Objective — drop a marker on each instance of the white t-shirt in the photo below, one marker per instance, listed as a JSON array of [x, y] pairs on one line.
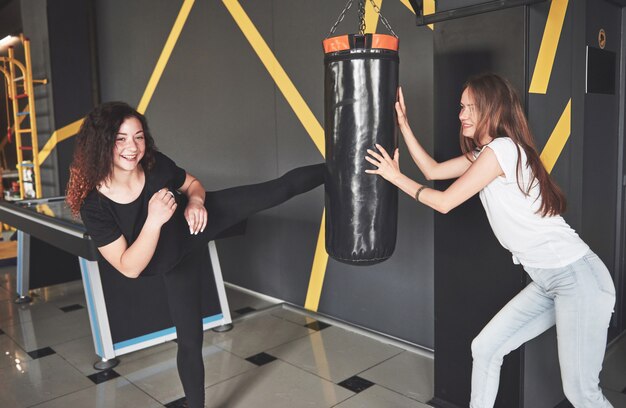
[[534, 241]]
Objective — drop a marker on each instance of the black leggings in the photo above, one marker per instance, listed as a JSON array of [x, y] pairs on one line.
[[183, 283]]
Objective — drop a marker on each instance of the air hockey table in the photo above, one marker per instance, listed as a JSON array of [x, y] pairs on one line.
[[125, 314]]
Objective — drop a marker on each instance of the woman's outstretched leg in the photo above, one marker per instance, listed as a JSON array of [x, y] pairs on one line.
[[233, 205]]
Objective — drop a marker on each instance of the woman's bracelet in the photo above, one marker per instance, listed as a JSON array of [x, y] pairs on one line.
[[417, 194]]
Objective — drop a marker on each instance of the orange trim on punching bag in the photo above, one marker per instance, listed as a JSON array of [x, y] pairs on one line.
[[342, 43], [335, 44], [387, 42]]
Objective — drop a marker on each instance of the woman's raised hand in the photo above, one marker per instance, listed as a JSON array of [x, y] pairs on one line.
[[161, 207], [401, 110], [386, 166]]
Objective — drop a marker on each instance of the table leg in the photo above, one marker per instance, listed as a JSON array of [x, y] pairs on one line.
[[23, 267]]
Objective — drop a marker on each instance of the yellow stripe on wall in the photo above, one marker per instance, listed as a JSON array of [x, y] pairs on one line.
[[429, 8], [58, 136], [309, 122], [371, 16], [318, 270], [553, 148], [165, 55], [72, 129], [548, 47], [289, 91]]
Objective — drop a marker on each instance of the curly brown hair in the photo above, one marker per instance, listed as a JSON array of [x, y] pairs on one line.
[[93, 152]]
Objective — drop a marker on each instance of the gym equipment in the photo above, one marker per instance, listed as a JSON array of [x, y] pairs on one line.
[[360, 90]]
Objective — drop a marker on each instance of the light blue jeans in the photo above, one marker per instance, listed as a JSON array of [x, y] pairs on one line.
[[578, 298]]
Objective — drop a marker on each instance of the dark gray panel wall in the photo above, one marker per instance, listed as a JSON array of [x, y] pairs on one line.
[[217, 112], [69, 40], [474, 275], [601, 140]]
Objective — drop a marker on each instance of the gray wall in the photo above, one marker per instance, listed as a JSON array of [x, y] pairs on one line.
[[217, 112]]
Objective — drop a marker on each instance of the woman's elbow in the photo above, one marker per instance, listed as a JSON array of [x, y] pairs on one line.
[[444, 207], [130, 273]]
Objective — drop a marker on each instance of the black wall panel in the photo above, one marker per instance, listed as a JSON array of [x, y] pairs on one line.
[[71, 71], [474, 275]]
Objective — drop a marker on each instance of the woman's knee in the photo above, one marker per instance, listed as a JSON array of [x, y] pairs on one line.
[[485, 350], [190, 341], [580, 400], [584, 395]]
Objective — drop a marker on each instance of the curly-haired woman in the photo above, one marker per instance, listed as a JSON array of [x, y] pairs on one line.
[[571, 286], [127, 195]]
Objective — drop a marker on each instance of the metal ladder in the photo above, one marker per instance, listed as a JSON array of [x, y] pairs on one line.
[[21, 94]]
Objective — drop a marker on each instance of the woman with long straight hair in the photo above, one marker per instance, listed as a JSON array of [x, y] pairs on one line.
[[570, 287], [150, 217]]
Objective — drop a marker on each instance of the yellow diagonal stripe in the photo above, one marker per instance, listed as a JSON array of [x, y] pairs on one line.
[[318, 270], [165, 55], [289, 91], [558, 138], [58, 136], [429, 8], [371, 16], [548, 47], [308, 120], [72, 129]]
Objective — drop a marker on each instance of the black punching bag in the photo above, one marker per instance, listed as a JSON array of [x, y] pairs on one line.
[[360, 89]]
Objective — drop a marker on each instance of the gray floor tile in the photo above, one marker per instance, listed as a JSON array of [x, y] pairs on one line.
[[407, 373], [80, 353], [258, 334], [334, 353], [49, 332], [379, 397], [116, 393], [38, 381], [12, 354], [294, 317], [276, 385], [12, 313], [238, 300], [157, 374]]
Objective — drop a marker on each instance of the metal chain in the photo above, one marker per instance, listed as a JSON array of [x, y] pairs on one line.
[[383, 19], [340, 19], [361, 17]]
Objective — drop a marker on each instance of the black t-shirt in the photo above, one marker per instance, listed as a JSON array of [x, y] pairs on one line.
[[107, 220]]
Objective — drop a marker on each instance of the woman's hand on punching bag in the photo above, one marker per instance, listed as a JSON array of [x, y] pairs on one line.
[[386, 166], [161, 207], [403, 122]]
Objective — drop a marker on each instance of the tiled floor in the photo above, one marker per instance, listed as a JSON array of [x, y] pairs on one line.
[[275, 356]]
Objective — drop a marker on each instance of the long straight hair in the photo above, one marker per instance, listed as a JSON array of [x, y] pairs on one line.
[[500, 114]]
